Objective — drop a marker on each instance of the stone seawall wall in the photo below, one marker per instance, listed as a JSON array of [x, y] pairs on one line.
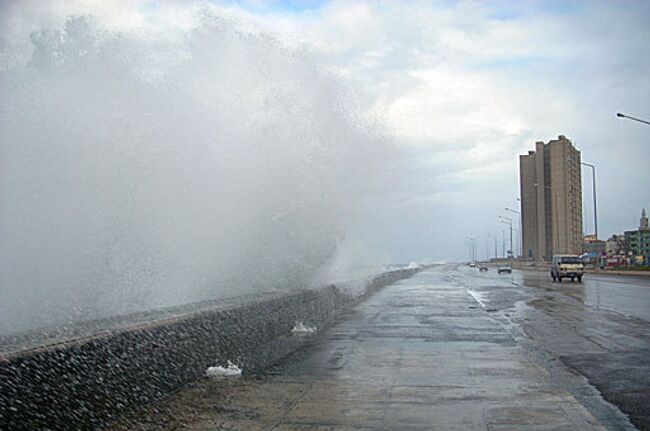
[[86, 383]]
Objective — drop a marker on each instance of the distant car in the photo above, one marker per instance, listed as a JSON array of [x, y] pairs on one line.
[[567, 266], [505, 268], [472, 265], [483, 269]]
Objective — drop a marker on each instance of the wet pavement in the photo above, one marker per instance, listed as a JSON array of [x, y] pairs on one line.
[[449, 349], [624, 294]]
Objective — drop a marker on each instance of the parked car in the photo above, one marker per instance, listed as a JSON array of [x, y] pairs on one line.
[[505, 268], [567, 266], [483, 268]]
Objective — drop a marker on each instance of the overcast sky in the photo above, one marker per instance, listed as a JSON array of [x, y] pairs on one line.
[[468, 86], [464, 87]]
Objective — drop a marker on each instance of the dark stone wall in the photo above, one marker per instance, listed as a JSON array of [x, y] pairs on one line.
[[86, 383]]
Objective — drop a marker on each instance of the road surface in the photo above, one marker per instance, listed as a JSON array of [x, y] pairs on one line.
[[449, 349], [623, 294]]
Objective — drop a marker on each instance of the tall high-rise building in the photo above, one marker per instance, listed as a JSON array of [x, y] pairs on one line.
[[551, 200]]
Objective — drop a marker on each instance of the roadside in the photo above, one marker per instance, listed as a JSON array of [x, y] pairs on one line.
[[599, 329], [524, 266], [636, 272], [421, 354]]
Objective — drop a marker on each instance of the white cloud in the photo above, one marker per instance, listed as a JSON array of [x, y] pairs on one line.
[[465, 87], [468, 92]]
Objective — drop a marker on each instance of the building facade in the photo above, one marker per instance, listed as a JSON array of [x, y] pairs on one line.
[[615, 245], [638, 241], [551, 200], [593, 246]]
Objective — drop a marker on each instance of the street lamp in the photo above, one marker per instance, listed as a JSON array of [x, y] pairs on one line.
[[632, 118], [593, 185], [508, 221], [473, 242], [496, 255], [521, 231], [487, 249], [510, 227], [593, 177]]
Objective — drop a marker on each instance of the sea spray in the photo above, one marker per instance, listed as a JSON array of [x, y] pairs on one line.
[[231, 370], [300, 328], [145, 169]]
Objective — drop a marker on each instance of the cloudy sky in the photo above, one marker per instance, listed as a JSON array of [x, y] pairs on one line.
[[463, 87], [467, 86]]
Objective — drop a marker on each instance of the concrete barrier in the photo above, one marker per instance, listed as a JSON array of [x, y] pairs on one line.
[[84, 384]]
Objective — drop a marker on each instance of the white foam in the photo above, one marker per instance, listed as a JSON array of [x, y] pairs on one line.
[[231, 370], [301, 329]]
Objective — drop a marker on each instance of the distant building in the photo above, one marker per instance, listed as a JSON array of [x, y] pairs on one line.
[[551, 200], [593, 246], [593, 250], [616, 245], [638, 241]]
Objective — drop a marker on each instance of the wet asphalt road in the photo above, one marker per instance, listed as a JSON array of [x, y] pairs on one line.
[[599, 328], [449, 349], [629, 295]]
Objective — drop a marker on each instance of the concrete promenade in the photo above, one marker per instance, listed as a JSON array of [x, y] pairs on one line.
[[427, 353]]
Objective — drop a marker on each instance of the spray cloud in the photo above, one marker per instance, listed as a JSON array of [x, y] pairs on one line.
[[145, 169]]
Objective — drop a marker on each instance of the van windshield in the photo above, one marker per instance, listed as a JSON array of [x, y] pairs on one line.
[[571, 259]]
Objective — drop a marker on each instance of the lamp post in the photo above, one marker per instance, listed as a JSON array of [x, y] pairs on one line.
[[593, 177], [487, 250], [619, 115], [473, 243], [521, 231], [508, 221], [496, 255], [593, 188]]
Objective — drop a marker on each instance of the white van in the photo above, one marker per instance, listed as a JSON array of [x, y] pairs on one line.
[[567, 266]]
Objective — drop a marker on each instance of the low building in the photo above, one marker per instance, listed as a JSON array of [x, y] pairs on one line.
[[593, 250], [593, 245], [615, 245], [638, 241]]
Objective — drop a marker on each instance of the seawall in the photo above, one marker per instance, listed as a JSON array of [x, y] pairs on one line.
[[85, 383]]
